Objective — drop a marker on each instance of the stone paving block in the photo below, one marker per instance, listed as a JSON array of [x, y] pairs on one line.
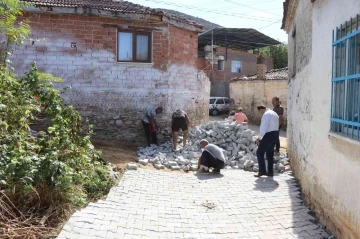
[[158, 204], [131, 166], [175, 167], [159, 166], [144, 161]]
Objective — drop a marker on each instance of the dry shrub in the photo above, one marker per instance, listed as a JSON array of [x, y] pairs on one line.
[[35, 214]]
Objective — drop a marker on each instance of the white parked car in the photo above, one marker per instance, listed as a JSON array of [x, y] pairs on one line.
[[218, 105]]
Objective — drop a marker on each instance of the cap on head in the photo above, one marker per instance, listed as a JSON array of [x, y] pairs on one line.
[[203, 143], [239, 109], [261, 107]]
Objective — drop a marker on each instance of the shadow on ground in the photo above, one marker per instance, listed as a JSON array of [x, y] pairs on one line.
[[208, 176]]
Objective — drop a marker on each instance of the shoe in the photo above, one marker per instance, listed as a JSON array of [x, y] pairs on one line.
[[203, 171], [270, 174], [259, 175], [216, 170]]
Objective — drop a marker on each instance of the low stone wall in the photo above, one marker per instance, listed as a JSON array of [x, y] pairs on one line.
[[250, 93], [118, 113]]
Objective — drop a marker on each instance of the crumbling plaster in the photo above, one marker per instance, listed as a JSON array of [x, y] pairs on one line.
[[250, 93], [327, 167]]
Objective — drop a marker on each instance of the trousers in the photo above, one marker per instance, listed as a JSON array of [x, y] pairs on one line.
[[266, 145]]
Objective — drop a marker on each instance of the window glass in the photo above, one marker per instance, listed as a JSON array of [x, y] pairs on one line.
[[221, 65], [142, 47], [220, 102], [235, 66], [125, 46]]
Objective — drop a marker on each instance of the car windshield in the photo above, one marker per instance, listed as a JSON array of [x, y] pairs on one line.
[[212, 101]]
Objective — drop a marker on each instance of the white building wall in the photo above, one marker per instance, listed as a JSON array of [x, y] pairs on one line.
[[328, 167]]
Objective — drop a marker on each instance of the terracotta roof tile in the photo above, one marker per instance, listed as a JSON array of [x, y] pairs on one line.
[[111, 5]]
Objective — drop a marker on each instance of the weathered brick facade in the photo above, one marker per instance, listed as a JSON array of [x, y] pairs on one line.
[[220, 78], [113, 95], [247, 59]]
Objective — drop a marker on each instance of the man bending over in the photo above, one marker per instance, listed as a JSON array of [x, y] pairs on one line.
[[211, 157]]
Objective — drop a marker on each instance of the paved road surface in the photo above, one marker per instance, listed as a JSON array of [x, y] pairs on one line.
[[156, 204]]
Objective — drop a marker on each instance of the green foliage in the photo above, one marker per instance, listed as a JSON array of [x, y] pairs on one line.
[[279, 53], [14, 32], [62, 159]]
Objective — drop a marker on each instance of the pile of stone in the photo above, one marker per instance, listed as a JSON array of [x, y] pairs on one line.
[[237, 141]]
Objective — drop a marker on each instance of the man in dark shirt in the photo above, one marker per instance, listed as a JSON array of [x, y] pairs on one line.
[[280, 111], [180, 120], [150, 124]]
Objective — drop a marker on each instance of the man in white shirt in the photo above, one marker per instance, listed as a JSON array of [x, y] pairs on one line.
[[211, 157], [269, 134]]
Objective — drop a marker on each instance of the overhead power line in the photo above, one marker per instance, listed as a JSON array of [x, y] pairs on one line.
[[248, 6], [215, 11], [268, 25]]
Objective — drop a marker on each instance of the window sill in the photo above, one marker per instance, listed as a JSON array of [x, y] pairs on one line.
[[343, 138], [142, 64]]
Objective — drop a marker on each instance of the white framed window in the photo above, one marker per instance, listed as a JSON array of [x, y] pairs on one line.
[[236, 66], [221, 65], [133, 46]]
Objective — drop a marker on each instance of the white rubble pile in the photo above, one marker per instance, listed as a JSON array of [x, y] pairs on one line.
[[237, 141]]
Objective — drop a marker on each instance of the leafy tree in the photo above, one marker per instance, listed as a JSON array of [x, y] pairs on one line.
[[278, 52], [11, 32]]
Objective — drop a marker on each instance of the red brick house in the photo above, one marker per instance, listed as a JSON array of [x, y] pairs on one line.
[[231, 57], [118, 58], [237, 64]]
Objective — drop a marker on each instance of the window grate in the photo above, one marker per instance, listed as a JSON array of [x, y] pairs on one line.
[[345, 93]]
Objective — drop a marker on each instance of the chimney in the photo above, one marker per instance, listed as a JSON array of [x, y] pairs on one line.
[[261, 67]]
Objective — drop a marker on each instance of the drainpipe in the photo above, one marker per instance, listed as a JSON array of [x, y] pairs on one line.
[[212, 44], [212, 50], [226, 46]]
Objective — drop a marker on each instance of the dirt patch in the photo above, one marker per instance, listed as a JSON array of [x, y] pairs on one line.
[[119, 154], [283, 145]]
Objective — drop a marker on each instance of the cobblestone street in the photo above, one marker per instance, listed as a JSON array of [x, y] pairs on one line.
[[155, 204]]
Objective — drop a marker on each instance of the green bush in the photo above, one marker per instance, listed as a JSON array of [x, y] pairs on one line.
[[61, 159]]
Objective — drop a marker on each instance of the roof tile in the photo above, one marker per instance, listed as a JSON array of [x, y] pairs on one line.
[[111, 5]]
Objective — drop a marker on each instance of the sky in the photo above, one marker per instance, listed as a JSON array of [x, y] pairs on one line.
[[262, 15]]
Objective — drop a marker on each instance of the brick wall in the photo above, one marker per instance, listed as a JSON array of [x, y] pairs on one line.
[[113, 95], [247, 59]]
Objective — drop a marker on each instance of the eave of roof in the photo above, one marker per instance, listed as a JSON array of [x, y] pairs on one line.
[[289, 14], [116, 7], [236, 38], [285, 7]]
